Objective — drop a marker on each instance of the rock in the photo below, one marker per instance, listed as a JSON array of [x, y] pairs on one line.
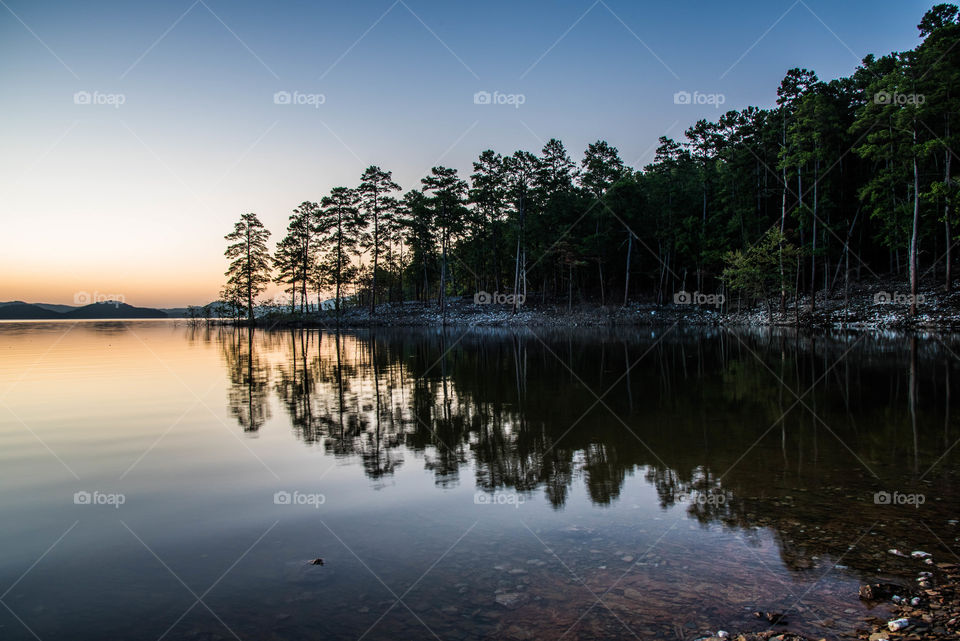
[[898, 624], [630, 593], [878, 591], [777, 618], [519, 633], [509, 599]]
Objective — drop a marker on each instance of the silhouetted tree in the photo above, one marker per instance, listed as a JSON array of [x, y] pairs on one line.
[[249, 259]]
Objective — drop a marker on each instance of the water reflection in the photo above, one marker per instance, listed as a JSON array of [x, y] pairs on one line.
[[752, 431], [536, 411], [249, 381], [689, 477]]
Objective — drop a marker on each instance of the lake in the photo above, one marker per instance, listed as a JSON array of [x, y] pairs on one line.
[[161, 480]]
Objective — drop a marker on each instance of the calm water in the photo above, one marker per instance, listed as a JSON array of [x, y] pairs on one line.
[[166, 481]]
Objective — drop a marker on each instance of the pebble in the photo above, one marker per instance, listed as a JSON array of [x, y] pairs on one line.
[[898, 624]]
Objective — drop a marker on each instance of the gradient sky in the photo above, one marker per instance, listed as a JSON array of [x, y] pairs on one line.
[[134, 200]]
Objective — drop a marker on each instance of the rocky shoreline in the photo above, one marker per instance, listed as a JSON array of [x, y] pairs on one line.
[[866, 307], [929, 611]]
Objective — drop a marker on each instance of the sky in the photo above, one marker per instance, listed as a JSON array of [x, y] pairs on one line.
[[134, 134]]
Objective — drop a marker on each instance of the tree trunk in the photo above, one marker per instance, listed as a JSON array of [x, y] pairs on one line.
[[306, 270], [813, 249], [443, 274], [626, 286], [946, 215], [376, 254], [603, 299], [916, 225], [339, 274], [249, 281], [516, 265], [783, 225]]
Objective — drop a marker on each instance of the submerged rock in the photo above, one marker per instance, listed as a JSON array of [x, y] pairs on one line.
[[777, 618], [509, 599], [879, 591]]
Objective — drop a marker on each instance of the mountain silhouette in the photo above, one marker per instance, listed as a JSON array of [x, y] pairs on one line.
[[19, 310], [113, 309]]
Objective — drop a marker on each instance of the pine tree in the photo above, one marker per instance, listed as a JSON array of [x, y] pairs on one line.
[[446, 194], [377, 206], [338, 217], [249, 270]]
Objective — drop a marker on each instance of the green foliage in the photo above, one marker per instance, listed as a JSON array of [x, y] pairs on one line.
[[756, 270]]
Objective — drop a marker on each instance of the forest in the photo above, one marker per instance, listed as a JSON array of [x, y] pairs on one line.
[[841, 181]]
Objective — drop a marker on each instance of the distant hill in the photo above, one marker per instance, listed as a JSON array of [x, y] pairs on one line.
[[56, 308], [112, 310], [19, 310]]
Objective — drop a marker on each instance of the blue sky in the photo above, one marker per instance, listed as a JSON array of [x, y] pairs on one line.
[[134, 198]]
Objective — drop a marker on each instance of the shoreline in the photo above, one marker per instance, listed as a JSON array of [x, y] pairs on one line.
[[928, 612], [881, 306], [860, 311]]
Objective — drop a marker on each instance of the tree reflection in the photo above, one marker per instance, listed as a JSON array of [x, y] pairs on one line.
[[710, 421], [531, 412], [247, 396]]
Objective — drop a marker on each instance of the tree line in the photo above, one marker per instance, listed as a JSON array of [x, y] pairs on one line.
[[841, 180]]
